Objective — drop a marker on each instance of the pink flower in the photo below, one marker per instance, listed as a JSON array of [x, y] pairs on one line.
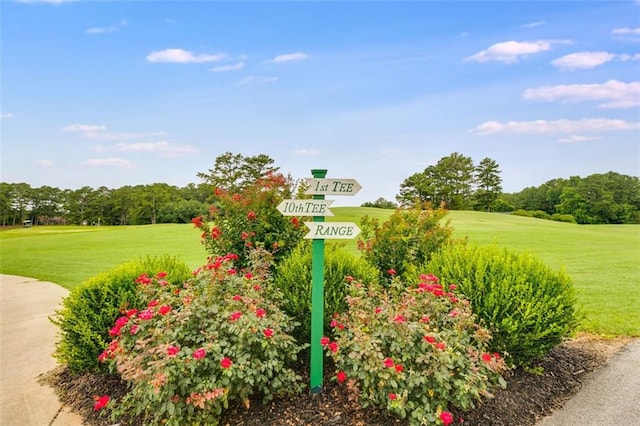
[[120, 322], [341, 376], [248, 275], [257, 287], [251, 215], [333, 347], [446, 417], [101, 402], [164, 309], [232, 271], [453, 313], [441, 345], [325, 341], [349, 278], [103, 356], [244, 235], [424, 318], [267, 332], [388, 362], [399, 319], [147, 314], [260, 313], [199, 353], [393, 396], [114, 331], [391, 271], [237, 297], [173, 351], [378, 310], [235, 315], [134, 329], [131, 312], [453, 287], [225, 362], [153, 303]]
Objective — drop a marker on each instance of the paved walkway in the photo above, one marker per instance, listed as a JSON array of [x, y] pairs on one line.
[[27, 340], [610, 395]]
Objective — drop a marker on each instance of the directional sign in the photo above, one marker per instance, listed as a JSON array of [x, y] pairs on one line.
[[332, 186], [305, 207], [332, 230]]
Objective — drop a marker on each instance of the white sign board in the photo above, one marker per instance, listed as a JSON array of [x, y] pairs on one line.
[[332, 186], [332, 230], [305, 207]]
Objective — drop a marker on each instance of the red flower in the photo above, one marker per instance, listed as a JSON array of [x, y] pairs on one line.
[[441, 345], [153, 303], [161, 274], [251, 215], [391, 271], [199, 353], [424, 318], [232, 271], [388, 363], [225, 362], [333, 347], [295, 221], [496, 355], [101, 402], [164, 309], [446, 417], [393, 396], [486, 357], [399, 318], [235, 315], [453, 287], [378, 310], [349, 278], [341, 376], [260, 313], [325, 341], [134, 329], [248, 276], [237, 297], [453, 313], [244, 235], [143, 279], [216, 233], [131, 312], [173, 351], [104, 355], [399, 368], [267, 332], [197, 221], [429, 339], [115, 331], [147, 314]]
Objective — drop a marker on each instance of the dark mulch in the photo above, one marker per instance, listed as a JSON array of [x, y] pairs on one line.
[[529, 396]]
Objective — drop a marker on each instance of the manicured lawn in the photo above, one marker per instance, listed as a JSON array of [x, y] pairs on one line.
[[603, 260]]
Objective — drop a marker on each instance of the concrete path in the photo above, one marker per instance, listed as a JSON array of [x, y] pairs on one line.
[[609, 396], [27, 340]]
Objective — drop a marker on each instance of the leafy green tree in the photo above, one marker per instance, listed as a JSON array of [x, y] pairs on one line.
[[380, 203], [233, 172], [488, 182]]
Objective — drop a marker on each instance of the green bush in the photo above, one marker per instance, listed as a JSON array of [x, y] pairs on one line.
[[538, 214], [188, 354], [293, 278], [529, 307], [405, 240], [567, 218], [416, 351], [88, 311]]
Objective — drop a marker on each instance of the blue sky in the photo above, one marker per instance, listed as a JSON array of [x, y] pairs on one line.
[[121, 93]]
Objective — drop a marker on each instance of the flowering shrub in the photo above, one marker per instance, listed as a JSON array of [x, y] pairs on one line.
[[190, 352], [413, 351], [406, 239], [250, 218]]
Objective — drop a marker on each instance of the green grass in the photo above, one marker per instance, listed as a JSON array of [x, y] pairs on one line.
[[603, 260]]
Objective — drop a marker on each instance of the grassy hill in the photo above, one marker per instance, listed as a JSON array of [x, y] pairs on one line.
[[603, 260]]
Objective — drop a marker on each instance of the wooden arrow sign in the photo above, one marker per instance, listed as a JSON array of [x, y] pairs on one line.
[[305, 207], [332, 230], [332, 186]]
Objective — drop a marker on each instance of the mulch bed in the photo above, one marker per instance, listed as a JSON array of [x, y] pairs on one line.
[[529, 396]]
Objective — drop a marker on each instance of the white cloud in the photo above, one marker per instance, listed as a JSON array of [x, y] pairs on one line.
[[225, 68], [257, 80], [555, 126], [306, 152], [107, 162], [626, 31], [85, 128], [583, 60], [533, 24], [510, 51], [6, 115], [614, 93], [578, 138], [45, 163], [141, 146], [163, 148], [46, 1], [288, 57], [110, 29], [183, 56]]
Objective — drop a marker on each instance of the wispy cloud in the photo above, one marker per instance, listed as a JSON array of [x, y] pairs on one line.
[[289, 57], [163, 148], [107, 162], [614, 93], [47, 1], [45, 163], [586, 60], [183, 56], [85, 128], [306, 152], [533, 24], [257, 80], [6, 115], [626, 34], [579, 138], [555, 126], [95, 131], [510, 51], [227, 68], [109, 29]]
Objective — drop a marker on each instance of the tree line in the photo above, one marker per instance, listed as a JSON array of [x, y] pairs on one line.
[[454, 181]]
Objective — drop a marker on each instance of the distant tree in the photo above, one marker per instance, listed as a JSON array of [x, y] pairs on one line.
[[488, 183], [233, 172], [380, 203]]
